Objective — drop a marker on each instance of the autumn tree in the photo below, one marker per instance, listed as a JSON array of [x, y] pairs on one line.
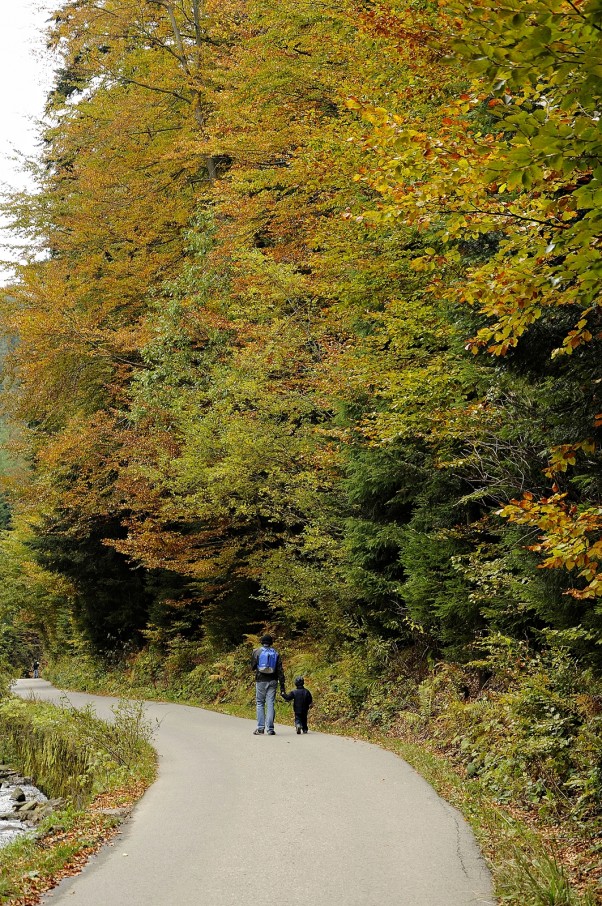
[[503, 174], [276, 239], [123, 168]]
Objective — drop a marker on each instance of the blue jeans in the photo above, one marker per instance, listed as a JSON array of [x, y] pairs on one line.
[[265, 696]]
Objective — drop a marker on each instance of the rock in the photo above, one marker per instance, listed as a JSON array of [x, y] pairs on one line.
[[40, 813], [28, 807]]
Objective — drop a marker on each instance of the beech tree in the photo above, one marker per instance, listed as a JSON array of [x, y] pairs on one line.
[[510, 164], [313, 333]]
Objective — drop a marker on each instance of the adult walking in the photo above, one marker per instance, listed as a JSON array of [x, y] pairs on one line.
[[269, 672]]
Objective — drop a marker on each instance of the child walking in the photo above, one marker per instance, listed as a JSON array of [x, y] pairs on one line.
[[302, 702]]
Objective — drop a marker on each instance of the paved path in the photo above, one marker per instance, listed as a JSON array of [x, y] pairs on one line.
[[312, 820]]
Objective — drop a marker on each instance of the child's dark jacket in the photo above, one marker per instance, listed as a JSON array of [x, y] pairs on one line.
[[301, 699]]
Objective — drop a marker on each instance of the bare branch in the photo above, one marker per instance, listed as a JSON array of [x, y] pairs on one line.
[[181, 54]]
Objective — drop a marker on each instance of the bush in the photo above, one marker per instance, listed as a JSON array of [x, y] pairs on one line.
[[534, 732]]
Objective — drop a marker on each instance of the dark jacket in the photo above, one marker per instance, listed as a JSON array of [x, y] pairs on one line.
[[301, 699], [261, 677]]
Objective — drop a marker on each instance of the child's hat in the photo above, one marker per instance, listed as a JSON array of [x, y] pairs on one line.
[[299, 681]]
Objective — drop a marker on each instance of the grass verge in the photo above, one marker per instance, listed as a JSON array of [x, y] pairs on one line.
[[524, 871], [100, 771]]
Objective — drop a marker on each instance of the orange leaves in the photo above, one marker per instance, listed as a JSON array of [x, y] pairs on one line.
[[471, 164], [565, 455], [571, 539], [425, 172], [576, 337]]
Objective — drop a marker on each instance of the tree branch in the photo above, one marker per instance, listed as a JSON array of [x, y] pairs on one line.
[[583, 16], [196, 6], [181, 55], [127, 81], [549, 223]]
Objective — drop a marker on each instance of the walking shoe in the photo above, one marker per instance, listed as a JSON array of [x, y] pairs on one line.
[[298, 730], [305, 731], [257, 732], [271, 732]]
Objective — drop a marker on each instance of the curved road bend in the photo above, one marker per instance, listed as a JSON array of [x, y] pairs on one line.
[[312, 820]]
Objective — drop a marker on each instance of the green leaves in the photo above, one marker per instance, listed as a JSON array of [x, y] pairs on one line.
[[251, 361]]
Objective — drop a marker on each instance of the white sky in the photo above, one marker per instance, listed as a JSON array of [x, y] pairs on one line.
[[25, 76]]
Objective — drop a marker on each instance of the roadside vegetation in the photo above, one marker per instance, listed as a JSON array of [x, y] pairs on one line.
[[99, 770]]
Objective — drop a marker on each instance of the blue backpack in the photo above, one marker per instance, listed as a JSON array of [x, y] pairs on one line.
[[266, 661]]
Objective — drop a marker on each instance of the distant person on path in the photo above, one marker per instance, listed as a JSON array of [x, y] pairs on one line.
[[36, 669], [267, 664], [302, 701]]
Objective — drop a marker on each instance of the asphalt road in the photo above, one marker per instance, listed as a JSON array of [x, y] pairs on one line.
[[312, 820]]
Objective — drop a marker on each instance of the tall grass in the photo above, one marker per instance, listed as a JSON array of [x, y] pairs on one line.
[[70, 753], [75, 756]]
